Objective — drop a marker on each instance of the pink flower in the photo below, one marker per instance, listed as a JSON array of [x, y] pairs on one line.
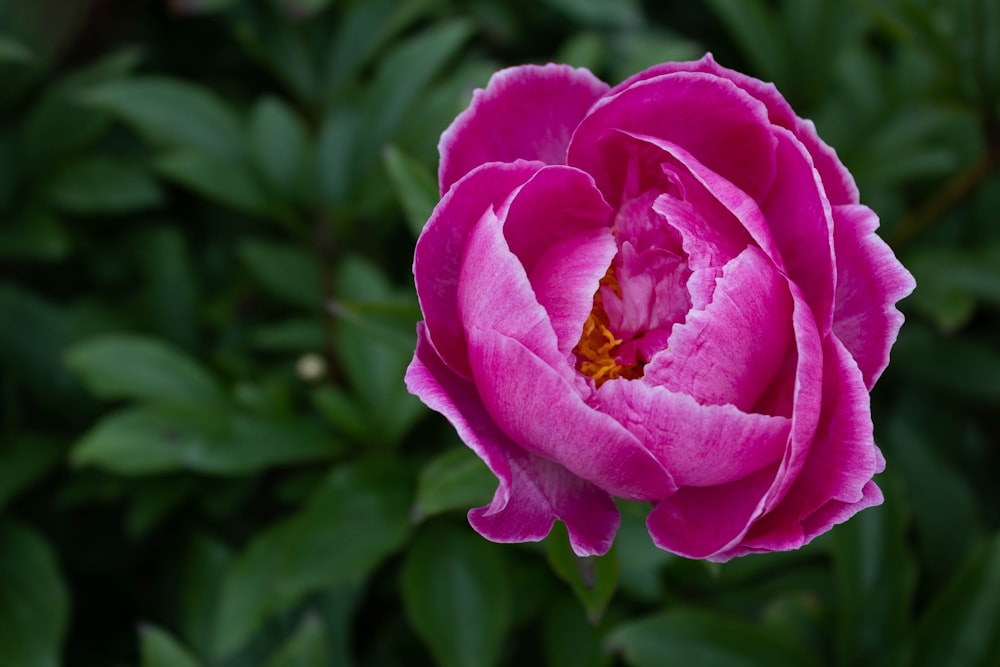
[[666, 292]]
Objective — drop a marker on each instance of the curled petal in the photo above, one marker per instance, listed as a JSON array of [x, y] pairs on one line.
[[701, 445], [730, 351], [870, 280], [527, 112], [540, 410], [437, 258], [837, 181], [532, 492], [801, 224], [835, 480], [710, 117]]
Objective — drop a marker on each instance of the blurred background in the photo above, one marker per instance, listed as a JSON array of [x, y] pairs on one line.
[[207, 454]]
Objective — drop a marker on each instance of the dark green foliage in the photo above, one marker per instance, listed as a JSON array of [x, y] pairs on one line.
[[207, 454]]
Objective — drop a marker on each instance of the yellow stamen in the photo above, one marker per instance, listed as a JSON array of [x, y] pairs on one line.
[[596, 351]]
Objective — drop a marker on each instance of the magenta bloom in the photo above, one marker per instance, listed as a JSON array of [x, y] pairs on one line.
[[666, 292]]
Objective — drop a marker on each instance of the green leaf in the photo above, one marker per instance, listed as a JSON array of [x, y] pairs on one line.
[[33, 337], [415, 187], [962, 626], [279, 143], [144, 368], [172, 293], [13, 51], [34, 601], [160, 649], [297, 335], [593, 579], [375, 351], [174, 114], [24, 459], [158, 439], [203, 564], [285, 271], [457, 596], [101, 184], [620, 14], [570, 639], [455, 479], [696, 638], [876, 577], [958, 366], [404, 72], [226, 182], [34, 234], [356, 518], [755, 28], [305, 648], [341, 411]]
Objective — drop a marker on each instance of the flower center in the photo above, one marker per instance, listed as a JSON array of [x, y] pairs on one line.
[[597, 351]]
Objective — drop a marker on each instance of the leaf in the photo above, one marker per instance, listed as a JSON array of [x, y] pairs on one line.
[[356, 518], [13, 51], [34, 234], [570, 639], [172, 293], [962, 626], [174, 114], [696, 638], [285, 271], [404, 72], [24, 459], [593, 579], [144, 368], [305, 648], [159, 649], [158, 439], [33, 337], [34, 601], [204, 562], [101, 184], [225, 182], [415, 187], [623, 15], [279, 144], [959, 366], [876, 577], [753, 26], [455, 479], [457, 596], [374, 352]]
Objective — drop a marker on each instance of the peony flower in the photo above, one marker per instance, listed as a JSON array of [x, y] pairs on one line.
[[666, 292]]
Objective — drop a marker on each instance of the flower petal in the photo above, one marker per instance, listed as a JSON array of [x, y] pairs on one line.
[[710, 117], [870, 280], [440, 249], [532, 492], [542, 412], [527, 112], [494, 293], [837, 181], [558, 225], [729, 352], [801, 224], [835, 480], [701, 445]]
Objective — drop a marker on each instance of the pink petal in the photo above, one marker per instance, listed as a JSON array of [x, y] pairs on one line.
[[723, 127], [532, 492], [702, 522], [543, 413], [870, 280], [835, 480], [494, 294], [440, 249], [701, 445], [801, 224], [837, 181], [729, 352], [526, 112], [558, 225]]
